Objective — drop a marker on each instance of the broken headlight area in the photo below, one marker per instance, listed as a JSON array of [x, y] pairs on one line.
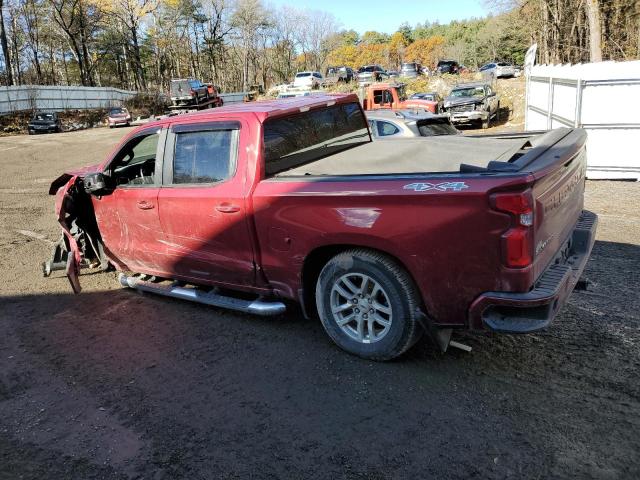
[[80, 245]]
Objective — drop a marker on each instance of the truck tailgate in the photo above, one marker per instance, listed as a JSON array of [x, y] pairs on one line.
[[558, 194]]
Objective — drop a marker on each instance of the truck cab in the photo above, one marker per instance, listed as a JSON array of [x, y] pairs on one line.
[[393, 96]]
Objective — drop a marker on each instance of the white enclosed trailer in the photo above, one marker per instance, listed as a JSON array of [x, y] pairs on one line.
[[604, 99]]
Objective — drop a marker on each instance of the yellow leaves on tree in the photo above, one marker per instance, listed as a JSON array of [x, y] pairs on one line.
[[426, 51], [345, 55], [376, 53]]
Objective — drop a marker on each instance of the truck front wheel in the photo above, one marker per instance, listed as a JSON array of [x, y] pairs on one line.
[[368, 304]]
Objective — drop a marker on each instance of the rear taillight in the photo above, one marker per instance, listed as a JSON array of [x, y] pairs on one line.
[[517, 242]]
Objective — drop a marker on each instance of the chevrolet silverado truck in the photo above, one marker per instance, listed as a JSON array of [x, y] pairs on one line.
[[254, 206], [470, 103]]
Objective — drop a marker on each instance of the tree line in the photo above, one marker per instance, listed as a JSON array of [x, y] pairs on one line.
[[143, 44]]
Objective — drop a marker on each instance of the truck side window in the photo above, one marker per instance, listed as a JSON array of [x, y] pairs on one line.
[[204, 157], [297, 139], [135, 164], [378, 96]]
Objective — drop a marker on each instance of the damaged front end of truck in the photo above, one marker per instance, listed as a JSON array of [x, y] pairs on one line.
[[80, 245]]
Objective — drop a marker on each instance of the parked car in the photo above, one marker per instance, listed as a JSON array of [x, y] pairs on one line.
[[118, 116], [310, 80], [339, 74], [44, 122], [394, 124], [410, 69], [430, 97], [498, 70], [188, 91], [371, 73], [293, 94], [291, 200], [472, 103], [448, 66]]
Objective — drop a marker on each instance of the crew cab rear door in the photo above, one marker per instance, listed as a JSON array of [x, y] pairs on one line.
[[202, 205]]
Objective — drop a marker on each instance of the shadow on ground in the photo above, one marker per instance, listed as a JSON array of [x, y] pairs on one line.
[[119, 385]]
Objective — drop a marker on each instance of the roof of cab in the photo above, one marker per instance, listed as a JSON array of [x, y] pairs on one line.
[[261, 109]]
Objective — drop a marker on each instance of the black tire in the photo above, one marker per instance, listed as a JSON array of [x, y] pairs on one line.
[[404, 302]]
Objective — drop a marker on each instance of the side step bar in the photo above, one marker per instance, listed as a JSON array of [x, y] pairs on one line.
[[256, 307]]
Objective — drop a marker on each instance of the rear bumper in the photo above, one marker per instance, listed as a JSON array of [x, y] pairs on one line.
[[534, 310]]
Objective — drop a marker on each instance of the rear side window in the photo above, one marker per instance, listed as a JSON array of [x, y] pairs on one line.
[[306, 137], [204, 156], [386, 129]]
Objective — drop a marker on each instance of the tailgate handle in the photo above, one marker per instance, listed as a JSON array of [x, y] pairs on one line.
[[227, 208], [144, 205]]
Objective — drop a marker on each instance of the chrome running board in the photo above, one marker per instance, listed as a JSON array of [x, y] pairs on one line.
[[256, 307]]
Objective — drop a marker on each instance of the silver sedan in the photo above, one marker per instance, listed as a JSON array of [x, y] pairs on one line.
[[388, 124]]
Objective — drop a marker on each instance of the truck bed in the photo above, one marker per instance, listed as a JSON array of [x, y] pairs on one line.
[[419, 155]]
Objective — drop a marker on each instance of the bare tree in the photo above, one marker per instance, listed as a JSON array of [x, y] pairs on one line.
[[595, 30], [5, 46]]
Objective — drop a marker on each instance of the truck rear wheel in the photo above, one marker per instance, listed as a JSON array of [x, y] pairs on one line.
[[368, 304]]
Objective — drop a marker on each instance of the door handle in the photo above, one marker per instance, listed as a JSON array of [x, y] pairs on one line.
[[144, 205], [227, 208]]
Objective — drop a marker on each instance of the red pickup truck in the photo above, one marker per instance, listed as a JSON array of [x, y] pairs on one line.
[[251, 205]]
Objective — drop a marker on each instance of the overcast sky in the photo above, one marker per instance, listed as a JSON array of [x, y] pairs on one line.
[[387, 15]]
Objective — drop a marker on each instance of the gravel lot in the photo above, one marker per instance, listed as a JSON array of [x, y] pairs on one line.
[[111, 384]]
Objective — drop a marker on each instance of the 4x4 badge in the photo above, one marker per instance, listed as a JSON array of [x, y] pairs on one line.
[[441, 187]]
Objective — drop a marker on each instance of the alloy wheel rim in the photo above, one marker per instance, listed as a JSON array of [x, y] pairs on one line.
[[361, 307]]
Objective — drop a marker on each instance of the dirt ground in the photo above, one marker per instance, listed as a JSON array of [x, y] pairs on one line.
[[111, 384]]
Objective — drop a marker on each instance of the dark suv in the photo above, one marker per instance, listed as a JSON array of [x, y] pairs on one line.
[[188, 92], [339, 74], [44, 122], [448, 66], [371, 73]]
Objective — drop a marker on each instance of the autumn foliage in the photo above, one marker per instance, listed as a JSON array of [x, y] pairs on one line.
[[389, 54]]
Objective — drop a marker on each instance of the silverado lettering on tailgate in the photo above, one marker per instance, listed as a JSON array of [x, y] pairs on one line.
[[561, 196]]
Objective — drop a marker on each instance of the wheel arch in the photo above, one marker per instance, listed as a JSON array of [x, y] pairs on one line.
[[318, 258]]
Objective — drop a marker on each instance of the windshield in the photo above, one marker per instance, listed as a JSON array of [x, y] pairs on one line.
[[304, 74], [367, 69], [436, 126], [44, 116], [468, 92], [116, 111], [502, 64]]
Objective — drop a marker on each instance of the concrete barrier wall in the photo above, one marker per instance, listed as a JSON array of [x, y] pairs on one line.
[[58, 98]]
